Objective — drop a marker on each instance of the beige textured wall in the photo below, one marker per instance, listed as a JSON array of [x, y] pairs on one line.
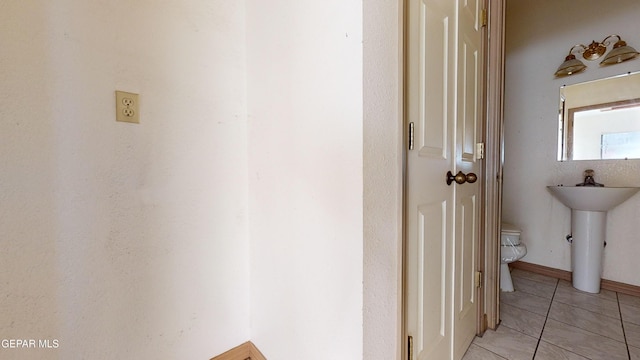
[[382, 179], [123, 241], [132, 241], [305, 177]]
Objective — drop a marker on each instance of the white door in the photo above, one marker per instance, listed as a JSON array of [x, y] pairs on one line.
[[442, 227]]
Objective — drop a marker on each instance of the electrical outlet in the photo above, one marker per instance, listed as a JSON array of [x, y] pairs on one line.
[[127, 107]]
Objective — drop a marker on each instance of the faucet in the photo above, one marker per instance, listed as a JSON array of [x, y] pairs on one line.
[[589, 180]]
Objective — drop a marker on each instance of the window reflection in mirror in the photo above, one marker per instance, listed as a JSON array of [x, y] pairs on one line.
[[600, 119]]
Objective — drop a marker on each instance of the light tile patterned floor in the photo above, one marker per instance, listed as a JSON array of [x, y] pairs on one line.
[[547, 319]]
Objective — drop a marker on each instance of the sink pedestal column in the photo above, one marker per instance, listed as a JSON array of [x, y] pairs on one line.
[[588, 231]]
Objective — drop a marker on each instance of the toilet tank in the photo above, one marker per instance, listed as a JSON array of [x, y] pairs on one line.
[[510, 235]]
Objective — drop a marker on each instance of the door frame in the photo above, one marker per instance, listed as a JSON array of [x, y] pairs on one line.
[[493, 161]]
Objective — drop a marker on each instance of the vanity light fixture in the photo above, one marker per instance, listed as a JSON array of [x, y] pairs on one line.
[[571, 65], [620, 52]]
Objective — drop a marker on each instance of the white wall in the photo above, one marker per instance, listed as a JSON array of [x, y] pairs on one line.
[[132, 241], [304, 65], [539, 35], [123, 241], [322, 105], [382, 179]]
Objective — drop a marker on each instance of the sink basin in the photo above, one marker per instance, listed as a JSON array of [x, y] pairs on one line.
[[590, 198], [589, 206]]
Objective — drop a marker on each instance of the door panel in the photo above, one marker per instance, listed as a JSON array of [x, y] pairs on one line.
[[431, 310], [433, 96], [469, 98], [465, 309]]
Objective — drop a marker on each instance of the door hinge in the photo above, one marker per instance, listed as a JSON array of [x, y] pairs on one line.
[[410, 350], [478, 279], [480, 151], [410, 136], [485, 19]]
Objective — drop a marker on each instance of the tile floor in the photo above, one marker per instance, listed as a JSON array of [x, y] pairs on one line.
[[547, 319]]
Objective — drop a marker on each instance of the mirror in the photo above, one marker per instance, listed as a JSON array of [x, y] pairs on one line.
[[600, 119]]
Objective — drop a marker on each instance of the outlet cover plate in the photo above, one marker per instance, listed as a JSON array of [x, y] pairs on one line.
[[127, 107]]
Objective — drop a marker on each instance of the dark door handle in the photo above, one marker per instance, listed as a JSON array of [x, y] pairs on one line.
[[460, 178]]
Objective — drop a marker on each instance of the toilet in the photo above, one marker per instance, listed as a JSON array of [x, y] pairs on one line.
[[511, 249]]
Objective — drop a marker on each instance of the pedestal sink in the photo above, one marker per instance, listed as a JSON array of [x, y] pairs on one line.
[[589, 206]]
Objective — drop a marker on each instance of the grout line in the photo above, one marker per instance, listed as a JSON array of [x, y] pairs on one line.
[[616, 300], [624, 334], [546, 318], [496, 354], [579, 305], [591, 332]]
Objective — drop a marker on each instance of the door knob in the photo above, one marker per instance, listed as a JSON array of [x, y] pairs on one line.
[[460, 178]]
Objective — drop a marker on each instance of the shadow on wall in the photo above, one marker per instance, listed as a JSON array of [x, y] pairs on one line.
[[540, 32]]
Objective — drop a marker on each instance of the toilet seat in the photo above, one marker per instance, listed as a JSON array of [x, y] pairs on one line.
[[510, 250], [511, 253], [510, 235]]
